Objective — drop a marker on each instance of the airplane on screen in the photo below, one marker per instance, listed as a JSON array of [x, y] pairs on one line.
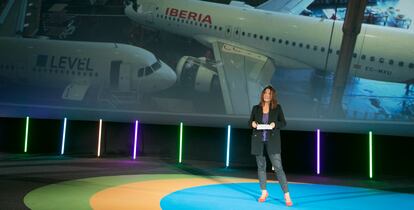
[[249, 42], [76, 66]]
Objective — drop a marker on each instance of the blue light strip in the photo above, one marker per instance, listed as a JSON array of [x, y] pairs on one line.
[[318, 152], [62, 151], [228, 145]]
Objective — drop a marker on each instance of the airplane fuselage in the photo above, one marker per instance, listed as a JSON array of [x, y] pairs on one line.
[[57, 63], [381, 53]]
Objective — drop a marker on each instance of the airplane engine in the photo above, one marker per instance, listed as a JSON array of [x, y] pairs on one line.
[[197, 74]]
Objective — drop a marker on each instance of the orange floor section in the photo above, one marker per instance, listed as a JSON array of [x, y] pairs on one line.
[[148, 194]]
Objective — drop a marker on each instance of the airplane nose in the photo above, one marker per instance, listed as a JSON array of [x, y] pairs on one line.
[[169, 76]]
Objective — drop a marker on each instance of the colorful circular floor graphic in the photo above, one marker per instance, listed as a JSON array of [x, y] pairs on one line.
[[171, 191], [305, 196]]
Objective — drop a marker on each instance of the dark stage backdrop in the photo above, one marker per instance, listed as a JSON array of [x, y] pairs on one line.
[[342, 154]]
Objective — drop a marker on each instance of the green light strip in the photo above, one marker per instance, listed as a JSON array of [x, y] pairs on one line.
[[27, 134], [370, 155], [181, 142]]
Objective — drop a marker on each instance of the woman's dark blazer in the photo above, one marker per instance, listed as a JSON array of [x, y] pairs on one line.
[[273, 144]]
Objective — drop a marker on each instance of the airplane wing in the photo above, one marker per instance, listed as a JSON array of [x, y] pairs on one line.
[[75, 91], [242, 74], [285, 6]]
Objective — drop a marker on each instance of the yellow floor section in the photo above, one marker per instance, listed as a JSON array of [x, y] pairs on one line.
[[148, 194]]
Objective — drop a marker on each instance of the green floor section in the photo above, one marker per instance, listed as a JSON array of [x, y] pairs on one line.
[[75, 194]]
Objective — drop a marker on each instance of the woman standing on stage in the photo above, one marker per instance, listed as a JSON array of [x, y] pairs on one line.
[[268, 112]]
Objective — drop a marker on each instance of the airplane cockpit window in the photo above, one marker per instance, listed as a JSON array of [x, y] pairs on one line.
[[411, 66], [157, 65], [145, 71], [148, 71]]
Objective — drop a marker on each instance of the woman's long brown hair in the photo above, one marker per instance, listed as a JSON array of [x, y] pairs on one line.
[[273, 102]]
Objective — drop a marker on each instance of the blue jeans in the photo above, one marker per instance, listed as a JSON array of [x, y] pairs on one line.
[[276, 160]]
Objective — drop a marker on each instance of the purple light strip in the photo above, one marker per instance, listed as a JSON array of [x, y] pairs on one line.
[[135, 139]]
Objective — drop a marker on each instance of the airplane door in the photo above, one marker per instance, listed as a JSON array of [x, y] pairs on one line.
[[228, 31], [114, 75], [124, 80], [120, 76], [236, 33]]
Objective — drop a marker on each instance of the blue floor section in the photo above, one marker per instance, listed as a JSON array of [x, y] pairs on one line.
[[240, 196]]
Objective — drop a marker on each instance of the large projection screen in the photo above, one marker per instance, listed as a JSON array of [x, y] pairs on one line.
[[205, 64]]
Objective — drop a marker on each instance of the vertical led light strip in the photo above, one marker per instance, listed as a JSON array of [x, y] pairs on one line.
[[181, 143], [370, 154], [228, 145], [99, 137], [318, 152], [135, 140], [26, 137], [62, 151]]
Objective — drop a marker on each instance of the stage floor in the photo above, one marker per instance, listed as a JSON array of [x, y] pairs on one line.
[[46, 182]]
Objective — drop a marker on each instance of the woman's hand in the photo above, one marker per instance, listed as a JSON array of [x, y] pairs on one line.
[[254, 124], [273, 125]]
